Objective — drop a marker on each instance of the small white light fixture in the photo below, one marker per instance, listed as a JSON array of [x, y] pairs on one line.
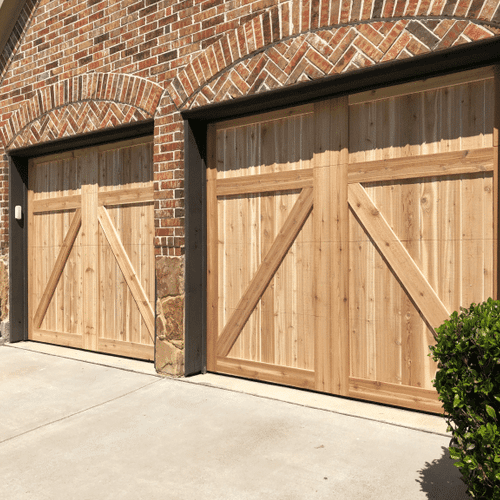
[[18, 212]]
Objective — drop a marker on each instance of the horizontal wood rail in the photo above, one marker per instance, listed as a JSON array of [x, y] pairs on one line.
[[69, 202], [262, 183], [122, 348], [125, 196], [59, 338], [408, 167], [395, 394], [266, 372]]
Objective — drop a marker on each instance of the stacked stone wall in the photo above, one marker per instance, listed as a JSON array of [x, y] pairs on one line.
[[84, 65]]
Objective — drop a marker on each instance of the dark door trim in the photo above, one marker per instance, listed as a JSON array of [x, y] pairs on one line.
[[18, 230]]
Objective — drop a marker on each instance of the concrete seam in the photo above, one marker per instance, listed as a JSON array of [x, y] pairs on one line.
[[417, 429], [187, 381], [86, 361], [77, 412]]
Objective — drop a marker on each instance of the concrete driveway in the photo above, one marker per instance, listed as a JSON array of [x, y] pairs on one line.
[[80, 429]]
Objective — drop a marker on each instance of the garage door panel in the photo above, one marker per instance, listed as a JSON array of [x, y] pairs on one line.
[[266, 146], [280, 329], [125, 168], [446, 225], [120, 318], [88, 293], [252, 227], [119, 315], [56, 244], [401, 233], [447, 119], [440, 222], [388, 337]]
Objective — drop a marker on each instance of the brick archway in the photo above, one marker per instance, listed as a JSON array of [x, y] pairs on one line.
[[85, 103], [278, 49]]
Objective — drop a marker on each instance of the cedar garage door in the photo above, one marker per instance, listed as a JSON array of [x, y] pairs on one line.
[[90, 249], [341, 232]]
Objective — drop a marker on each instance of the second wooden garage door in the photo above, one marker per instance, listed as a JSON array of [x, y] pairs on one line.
[[341, 233], [90, 241]]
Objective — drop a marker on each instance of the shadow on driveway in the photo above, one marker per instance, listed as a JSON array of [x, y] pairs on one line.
[[441, 480]]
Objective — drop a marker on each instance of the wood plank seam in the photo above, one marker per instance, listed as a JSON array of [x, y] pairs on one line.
[[267, 269]]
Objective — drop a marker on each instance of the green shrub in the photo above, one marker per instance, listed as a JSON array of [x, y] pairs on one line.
[[468, 382]]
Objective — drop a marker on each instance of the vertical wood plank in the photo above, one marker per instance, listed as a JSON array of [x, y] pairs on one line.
[[331, 235], [89, 238], [340, 250], [322, 248], [212, 250], [267, 231], [32, 288]]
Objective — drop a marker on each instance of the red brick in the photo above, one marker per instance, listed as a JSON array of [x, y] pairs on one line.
[[475, 32]]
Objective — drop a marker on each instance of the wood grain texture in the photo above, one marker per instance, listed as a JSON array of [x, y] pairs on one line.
[[494, 102], [69, 202], [90, 297], [129, 273], [422, 166], [279, 181], [355, 298], [340, 247], [75, 283], [212, 251], [266, 117], [397, 256], [59, 338], [126, 196], [266, 270], [331, 248], [55, 276], [394, 394], [129, 349], [267, 372], [423, 85]]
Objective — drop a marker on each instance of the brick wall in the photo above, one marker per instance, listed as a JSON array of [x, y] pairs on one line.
[[64, 59]]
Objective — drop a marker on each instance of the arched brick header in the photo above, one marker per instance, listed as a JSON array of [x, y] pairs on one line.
[[280, 48], [85, 103]]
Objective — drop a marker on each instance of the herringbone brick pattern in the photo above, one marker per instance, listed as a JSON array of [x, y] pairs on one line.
[[82, 104], [75, 119], [315, 55]]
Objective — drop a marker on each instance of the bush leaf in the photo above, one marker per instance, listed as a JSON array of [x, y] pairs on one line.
[[491, 411]]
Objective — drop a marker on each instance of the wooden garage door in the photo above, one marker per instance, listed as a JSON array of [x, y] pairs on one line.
[[341, 233], [90, 249]]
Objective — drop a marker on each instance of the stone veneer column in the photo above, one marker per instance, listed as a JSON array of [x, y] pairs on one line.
[[169, 355]]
